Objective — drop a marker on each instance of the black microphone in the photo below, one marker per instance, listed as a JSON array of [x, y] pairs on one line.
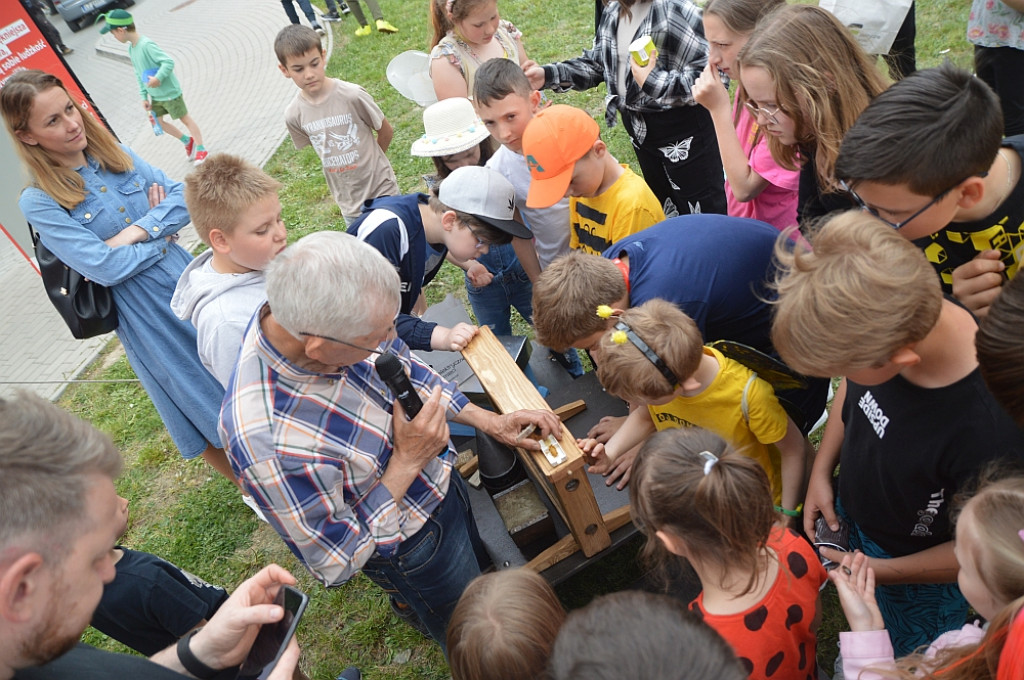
[[390, 370]]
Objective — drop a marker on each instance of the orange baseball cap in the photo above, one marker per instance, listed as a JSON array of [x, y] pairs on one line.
[[554, 140]]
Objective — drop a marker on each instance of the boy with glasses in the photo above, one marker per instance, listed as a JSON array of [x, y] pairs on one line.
[[927, 157]]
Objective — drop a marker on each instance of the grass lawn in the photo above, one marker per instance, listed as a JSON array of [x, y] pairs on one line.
[[192, 517]]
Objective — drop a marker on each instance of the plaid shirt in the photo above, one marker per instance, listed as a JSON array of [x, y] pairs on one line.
[[311, 449], [676, 28]]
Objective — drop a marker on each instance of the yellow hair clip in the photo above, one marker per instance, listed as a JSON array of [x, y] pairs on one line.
[[605, 312], [620, 338]]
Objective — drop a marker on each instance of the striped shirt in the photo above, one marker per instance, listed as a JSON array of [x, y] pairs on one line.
[[311, 448]]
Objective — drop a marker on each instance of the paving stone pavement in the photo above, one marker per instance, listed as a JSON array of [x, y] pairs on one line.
[[224, 58]]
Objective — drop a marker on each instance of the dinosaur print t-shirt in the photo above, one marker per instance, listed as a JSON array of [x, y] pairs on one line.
[[340, 130]]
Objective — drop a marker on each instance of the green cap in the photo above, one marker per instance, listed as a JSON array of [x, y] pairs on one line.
[[115, 19]]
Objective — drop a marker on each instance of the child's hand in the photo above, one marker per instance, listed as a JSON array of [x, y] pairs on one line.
[[855, 581], [146, 105], [606, 427], [452, 339], [640, 73], [478, 275], [709, 91], [534, 73], [592, 450], [153, 82], [977, 283]]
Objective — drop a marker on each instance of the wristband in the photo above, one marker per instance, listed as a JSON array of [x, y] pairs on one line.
[[191, 662], [790, 513]]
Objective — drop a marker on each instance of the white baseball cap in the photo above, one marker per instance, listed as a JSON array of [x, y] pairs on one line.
[[486, 195]]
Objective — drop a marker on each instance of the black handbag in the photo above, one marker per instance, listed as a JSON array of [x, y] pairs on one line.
[[86, 307]]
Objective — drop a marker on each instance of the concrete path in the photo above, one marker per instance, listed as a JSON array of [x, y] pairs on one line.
[[224, 58]]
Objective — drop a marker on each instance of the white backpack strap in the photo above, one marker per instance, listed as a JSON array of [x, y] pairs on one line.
[[378, 217]]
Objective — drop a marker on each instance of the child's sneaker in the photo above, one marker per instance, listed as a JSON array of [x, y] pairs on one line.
[[190, 147], [363, 30], [319, 30], [332, 16], [201, 157], [343, 6], [385, 27]]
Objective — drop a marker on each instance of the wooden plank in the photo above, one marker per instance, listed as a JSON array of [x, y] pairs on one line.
[[567, 484], [571, 409], [567, 545], [469, 467]]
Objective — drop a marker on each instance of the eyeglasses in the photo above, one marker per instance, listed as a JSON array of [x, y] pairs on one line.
[[756, 111], [898, 225], [480, 243], [384, 346]]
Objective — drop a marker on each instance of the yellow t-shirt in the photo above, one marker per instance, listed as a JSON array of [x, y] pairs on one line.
[[719, 409], [626, 207]]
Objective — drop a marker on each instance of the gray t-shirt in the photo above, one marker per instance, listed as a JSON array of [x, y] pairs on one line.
[[340, 129]]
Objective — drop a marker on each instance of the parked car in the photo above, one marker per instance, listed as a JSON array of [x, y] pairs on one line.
[[80, 13]]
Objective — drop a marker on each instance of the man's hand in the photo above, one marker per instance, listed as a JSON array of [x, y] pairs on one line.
[[226, 638], [452, 339], [977, 283], [479, 275], [418, 441], [505, 428], [855, 582], [640, 73]]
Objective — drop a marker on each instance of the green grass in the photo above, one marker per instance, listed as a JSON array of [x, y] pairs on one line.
[[189, 515]]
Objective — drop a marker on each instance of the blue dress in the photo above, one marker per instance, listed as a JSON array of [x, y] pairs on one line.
[[160, 347]]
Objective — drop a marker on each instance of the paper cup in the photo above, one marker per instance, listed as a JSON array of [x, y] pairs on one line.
[[640, 49]]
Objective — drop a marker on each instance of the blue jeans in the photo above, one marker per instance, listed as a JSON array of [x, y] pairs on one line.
[[511, 287], [306, 8], [433, 567]]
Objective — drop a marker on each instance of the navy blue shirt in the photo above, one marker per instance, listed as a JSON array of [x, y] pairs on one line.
[[392, 225]]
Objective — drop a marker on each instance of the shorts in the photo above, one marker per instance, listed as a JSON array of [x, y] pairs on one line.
[[175, 108]]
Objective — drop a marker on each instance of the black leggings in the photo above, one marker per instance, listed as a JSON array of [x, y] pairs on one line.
[[1003, 69], [680, 160]]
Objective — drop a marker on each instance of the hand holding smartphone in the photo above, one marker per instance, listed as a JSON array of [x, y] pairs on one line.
[[273, 638]]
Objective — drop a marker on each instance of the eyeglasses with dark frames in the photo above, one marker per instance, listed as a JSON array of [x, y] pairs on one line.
[[899, 225]]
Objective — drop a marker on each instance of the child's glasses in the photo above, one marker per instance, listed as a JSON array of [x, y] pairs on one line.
[[898, 225], [756, 111]]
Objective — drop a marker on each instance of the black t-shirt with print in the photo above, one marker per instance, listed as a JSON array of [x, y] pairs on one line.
[[1003, 230]]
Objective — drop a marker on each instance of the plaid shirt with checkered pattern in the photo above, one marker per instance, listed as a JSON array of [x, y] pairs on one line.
[[312, 447], [676, 28]]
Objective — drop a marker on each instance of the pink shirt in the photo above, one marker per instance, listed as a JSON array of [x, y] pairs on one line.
[[776, 205]]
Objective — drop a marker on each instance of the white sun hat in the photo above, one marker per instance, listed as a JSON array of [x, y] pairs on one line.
[[450, 126]]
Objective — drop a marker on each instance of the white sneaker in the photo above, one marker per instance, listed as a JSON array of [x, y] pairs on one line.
[[251, 502]]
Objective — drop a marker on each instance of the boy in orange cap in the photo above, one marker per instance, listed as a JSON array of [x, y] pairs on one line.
[[608, 201]]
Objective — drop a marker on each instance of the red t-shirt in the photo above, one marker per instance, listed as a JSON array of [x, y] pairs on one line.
[[773, 639]]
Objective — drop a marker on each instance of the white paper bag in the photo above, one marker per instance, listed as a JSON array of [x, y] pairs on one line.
[[874, 23]]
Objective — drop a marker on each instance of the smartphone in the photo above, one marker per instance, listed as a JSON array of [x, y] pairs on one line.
[[824, 537], [272, 639]]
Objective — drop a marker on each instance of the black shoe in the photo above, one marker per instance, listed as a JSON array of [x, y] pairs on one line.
[[332, 16], [343, 6], [350, 673], [65, 50], [405, 613]]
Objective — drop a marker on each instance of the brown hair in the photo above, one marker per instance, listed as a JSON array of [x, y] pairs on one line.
[[998, 511], [47, 460], [486, 151], [219, 190], [640, 636], [497, 79], [627, 373], [1000, 345], [741, 16], [823, 81], [724, 515], [567, 294], [296, 40], [62, 183], [490, 235], [439, 16], [858, 294], [503, 627]]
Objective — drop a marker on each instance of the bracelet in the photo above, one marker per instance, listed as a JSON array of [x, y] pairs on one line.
[[191, 662], [790, 513]]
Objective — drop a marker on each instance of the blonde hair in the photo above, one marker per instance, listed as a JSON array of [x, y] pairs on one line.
[[724, 512], [221, 189], [998, 512], [567, 294], [856, 296], [63, 184], [504, 627], [823, 80], [627, 373]]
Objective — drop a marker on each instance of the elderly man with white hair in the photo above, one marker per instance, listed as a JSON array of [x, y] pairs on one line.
[[319, 441]]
